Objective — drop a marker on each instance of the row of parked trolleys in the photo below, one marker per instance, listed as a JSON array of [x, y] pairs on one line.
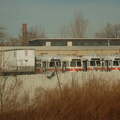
[[23, 61], [63, 63]]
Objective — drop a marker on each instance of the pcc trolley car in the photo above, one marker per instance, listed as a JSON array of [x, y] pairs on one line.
[[62, 63]]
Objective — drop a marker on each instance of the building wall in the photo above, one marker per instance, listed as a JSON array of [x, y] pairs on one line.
[[78, 52], [68, 49]]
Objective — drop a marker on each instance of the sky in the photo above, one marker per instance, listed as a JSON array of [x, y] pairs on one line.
[[53, 14]]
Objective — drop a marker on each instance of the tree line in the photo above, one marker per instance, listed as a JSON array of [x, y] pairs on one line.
[[77, 28]]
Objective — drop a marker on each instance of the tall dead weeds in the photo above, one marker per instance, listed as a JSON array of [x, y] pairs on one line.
[[95, 99]]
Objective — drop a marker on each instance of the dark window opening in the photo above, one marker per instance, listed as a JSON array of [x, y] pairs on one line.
[[92, 63], [59, 43], [115, 63], [98, 63], [58, 64], [72, 64], [78, 64], [52, 64]]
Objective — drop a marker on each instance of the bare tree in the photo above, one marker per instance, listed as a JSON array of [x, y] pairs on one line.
[[14, 41], [3, 35], [116, 31], [64, 32], [31, 33], [109, 31], [6, 40], [36, 32], [76, 29], [78, 26]]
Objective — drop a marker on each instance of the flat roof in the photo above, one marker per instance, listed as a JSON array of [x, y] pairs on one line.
[[59, 47], [75, 39], [5, 50]]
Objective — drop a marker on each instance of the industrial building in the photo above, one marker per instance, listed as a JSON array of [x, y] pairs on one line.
[[75, 42], [71, 46], [76, 46]]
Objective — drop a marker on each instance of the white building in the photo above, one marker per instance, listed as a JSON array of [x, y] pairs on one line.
[[18, 60]]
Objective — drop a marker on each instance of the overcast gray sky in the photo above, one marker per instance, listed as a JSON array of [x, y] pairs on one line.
[[52, 14]]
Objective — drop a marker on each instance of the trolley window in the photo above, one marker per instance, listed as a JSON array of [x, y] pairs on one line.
[[72, 64], [58, 64], [78, 64], [52, 64], [65, 64], [98, 63], [92, 63], [115, 63]]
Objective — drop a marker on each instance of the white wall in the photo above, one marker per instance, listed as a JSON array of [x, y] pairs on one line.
[[9, 60], [18, 58], [25, 58]]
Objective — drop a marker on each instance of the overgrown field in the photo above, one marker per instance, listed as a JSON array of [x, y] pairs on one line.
[[95, 99]]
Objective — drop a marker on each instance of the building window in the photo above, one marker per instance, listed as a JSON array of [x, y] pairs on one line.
[[42, 43], [59, 43], [114, 42]]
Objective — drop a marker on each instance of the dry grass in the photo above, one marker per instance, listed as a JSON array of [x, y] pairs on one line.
[[94, 100]]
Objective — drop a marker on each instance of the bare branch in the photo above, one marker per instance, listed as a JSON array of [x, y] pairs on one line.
[[76, 29], [36, 32], [109, 31]]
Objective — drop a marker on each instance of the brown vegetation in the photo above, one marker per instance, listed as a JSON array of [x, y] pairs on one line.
[[93, 100]]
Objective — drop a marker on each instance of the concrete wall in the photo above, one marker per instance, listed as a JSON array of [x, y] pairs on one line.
[[30, 82]]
